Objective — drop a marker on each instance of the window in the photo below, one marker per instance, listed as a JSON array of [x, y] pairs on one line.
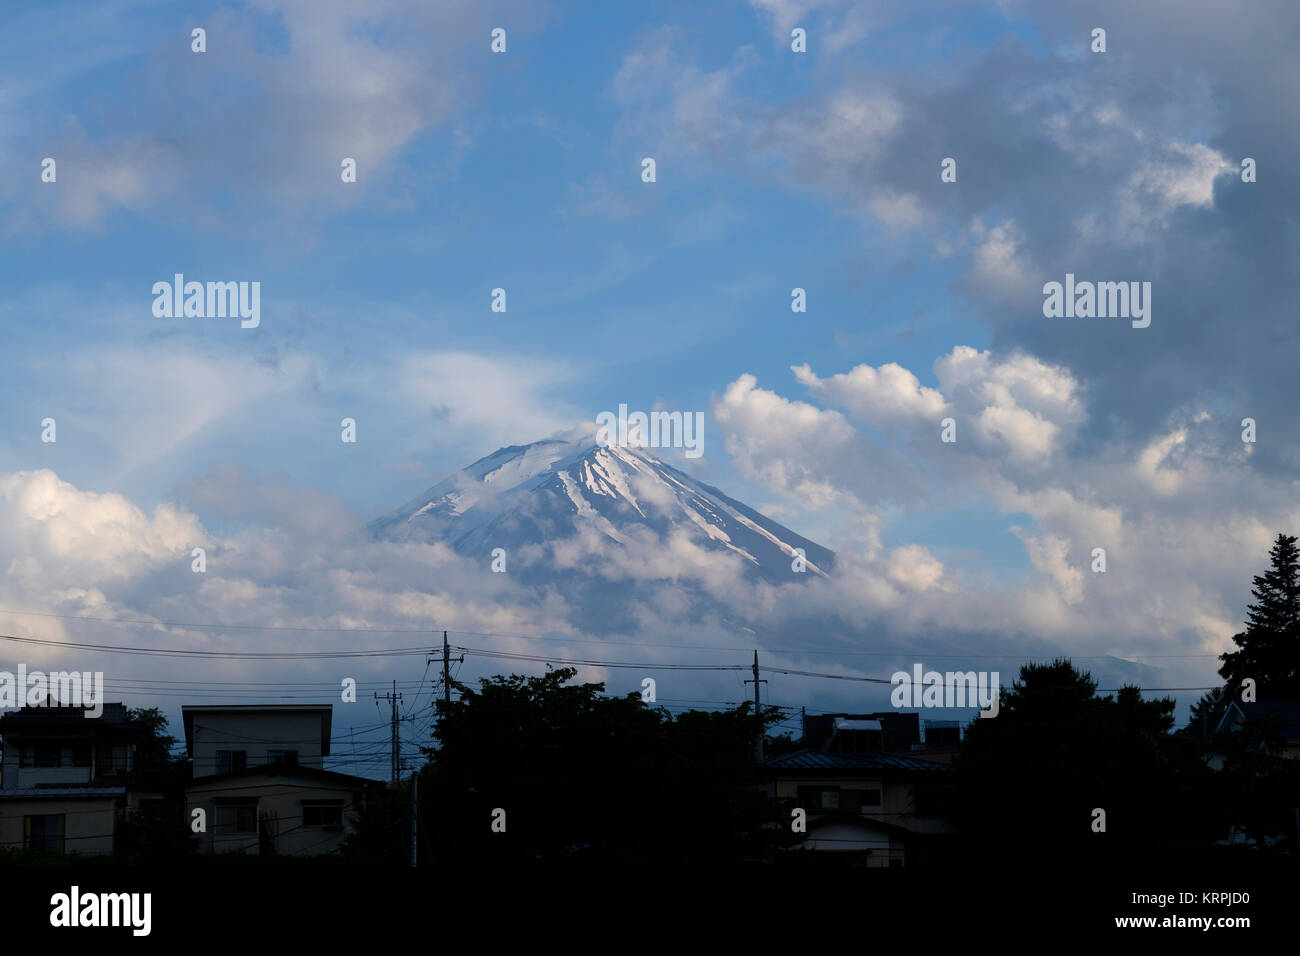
[[81, 755], [870, 798], [110, 759], [819, 798], [237, 816], [322, 813], [43, 832], [286, 757], [48, 755], [228, 761]]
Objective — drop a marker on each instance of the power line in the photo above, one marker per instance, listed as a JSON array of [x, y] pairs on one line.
[[478, 652], [433, 629], [232, 655], [551, 659]]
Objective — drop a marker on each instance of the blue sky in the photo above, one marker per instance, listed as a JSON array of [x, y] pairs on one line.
[[665, 304], [775, 170]]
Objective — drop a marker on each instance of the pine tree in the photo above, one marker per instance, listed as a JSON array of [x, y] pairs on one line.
[[1270, 645], [1207, 712]]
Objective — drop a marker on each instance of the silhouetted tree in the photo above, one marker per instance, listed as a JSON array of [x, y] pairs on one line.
[[590, 779], [784, 744], [1254, 792], [1269, 647], [380, 833], [157, 830], [1033, 776], [1259, 786], [153, 757], [1207, 712]]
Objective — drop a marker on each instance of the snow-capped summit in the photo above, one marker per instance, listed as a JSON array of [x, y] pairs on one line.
[[534, 498]]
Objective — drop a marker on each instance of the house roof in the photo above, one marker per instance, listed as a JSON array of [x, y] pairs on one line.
[[285, 770], [61, 793], [59, 718], [847, 724], [188, 713], [804, 761], [1285, 712], [857, 821]]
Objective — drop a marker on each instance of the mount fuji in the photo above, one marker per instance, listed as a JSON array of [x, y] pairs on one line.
[[633, 545], [548, 503]]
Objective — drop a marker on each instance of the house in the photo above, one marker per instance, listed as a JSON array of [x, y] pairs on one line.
[[887, 732], [1279, 722], [869, 796], [940, 740], [1281, 717], [260, 784], [66, 778], [884, 732], [224, 739], [866, 809]]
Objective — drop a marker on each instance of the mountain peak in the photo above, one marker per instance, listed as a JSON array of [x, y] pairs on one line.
[[528, 497]]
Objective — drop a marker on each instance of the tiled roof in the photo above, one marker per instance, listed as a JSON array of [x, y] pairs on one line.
[[820, 760], [282, 770]]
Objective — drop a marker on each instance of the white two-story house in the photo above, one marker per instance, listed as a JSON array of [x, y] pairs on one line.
[[259, 779]]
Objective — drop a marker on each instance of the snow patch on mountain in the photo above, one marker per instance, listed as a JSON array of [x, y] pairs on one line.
[[527, 498]]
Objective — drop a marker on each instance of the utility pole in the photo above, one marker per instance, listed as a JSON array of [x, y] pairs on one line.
[[446, 706], [758, 744], [393, 698], [446, 670], [415, 813]]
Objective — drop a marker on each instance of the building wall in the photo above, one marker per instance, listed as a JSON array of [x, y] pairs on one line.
[[895, 796], [89, 822], [879, 847], [17, 776], [255, 733], [897, 805], [279, 810]]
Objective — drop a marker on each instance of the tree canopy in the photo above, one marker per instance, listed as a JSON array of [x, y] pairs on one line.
[[587, 778]]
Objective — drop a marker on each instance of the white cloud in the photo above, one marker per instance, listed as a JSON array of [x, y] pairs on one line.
[[831, 24], [502, 400], [997, 263], [1157, 462], [913, 566], [1183, 521], [1016, 404], [885, 396], [1019, 404], [775, 440], [54, 535], [362, 81]]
